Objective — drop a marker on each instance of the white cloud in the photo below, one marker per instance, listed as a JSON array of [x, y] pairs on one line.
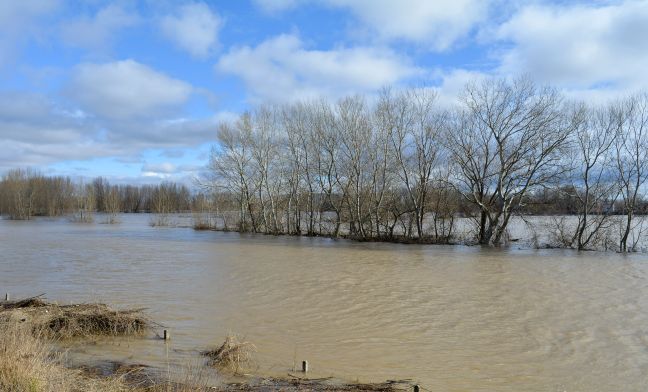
[[167, 170], [437, 24], [194, 29], [602, 48], [19, 21], [97, 31], [453, 82], [36, 131], [160, 168], [281, 69], [13, 14], [127, 89]]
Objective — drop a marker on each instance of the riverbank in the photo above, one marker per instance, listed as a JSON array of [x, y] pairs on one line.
[[34, 332]]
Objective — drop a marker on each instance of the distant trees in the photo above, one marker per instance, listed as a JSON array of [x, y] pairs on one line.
[[25, 194], [18, 194], [404, 168]]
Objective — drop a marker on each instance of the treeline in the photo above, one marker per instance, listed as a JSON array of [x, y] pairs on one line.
[[25, 194], [404, 167]]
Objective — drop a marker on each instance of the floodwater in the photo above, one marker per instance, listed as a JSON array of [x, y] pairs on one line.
[[451, 318]]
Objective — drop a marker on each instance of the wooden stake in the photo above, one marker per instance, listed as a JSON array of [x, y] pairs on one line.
[[167, 335], [304, 366]]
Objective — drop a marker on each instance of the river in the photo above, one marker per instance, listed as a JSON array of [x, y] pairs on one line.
[[452, 318]]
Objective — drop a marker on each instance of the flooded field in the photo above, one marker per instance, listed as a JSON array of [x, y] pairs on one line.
[[451, 318]]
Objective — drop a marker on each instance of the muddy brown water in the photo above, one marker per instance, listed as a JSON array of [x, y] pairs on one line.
[[452, 318]]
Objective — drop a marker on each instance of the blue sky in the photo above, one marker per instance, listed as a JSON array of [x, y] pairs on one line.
[[134, 90]]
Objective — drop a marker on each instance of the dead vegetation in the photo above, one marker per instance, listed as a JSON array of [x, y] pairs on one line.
[[315, 384], [55, 321], [29, 362], [235, 354]]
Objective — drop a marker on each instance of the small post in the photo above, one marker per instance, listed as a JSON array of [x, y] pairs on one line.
[[167, 335], [304, 366], [416, 388], [6, 296]]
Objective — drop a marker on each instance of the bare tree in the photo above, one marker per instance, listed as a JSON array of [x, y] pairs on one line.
[[354, 129], [112, 204], [631, 158], [506, 142], [232, 168], [85, 202], [595, 188], [18, 194], [413, 126]]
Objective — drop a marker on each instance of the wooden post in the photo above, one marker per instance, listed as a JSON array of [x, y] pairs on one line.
[[7, 297], [416, 388], [304, 366], [167, 335]]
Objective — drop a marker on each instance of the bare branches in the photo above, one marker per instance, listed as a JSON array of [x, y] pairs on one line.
[[506, 141]]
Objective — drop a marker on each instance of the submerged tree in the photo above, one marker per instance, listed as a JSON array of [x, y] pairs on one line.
[[631, 159], [593, 179], [506, 141]]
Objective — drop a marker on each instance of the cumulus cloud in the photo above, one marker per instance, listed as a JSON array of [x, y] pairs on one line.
[[97, 31], [580, 47], [282, 69], [194, 28], [451, 84], [126, 89], [159, 168], [166, 170], [18, 23], [15, 14], [436, 24], [36, 131]]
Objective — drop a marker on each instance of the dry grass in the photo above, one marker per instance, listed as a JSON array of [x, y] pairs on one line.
[[27, 364], [74, 321], [234, 354]]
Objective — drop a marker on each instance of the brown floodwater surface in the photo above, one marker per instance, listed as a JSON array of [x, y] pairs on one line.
[[452, 318]]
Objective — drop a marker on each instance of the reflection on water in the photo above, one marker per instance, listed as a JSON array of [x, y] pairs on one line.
[[452, 318]]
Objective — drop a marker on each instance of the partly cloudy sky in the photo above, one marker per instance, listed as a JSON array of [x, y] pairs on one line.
[[133, 90]]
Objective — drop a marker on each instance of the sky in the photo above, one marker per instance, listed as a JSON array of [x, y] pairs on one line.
[[134, 90]]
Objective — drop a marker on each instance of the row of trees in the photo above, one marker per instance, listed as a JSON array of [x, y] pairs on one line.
[[24, 194], [405, 167]]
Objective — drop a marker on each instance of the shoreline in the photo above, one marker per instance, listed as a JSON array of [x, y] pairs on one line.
[[34, 333]]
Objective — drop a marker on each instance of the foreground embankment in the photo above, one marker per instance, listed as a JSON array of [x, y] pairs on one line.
[[33, 333]]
